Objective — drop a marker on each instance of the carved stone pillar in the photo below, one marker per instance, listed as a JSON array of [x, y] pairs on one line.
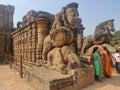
[[42, 31]]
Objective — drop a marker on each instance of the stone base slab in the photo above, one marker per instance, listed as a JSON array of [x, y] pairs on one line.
[[43, 78]]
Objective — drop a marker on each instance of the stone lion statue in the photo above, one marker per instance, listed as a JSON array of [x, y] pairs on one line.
[[103, 33], [68, 21], [63, 59]]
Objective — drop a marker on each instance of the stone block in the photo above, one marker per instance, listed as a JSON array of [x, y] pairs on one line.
[[43, 78]]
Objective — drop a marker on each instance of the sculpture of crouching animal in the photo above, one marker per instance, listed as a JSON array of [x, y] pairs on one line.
[[63, 59]]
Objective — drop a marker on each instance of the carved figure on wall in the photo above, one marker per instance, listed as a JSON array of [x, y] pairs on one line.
[[103, 33]]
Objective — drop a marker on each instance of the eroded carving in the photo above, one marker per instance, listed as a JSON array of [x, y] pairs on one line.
[[67, 30], [63, 59], [55, 40], [103, 33]]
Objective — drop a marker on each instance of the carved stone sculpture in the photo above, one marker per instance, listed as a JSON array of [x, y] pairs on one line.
[[47, 44], [59, 38], [66, 32], [68, 21], [62, 37], [103, 33], [63, 59], [69, 18]]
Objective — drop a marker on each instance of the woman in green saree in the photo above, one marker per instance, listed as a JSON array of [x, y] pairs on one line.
[[97, 64]]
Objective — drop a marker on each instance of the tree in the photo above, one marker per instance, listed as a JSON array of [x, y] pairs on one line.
[[115, 39]]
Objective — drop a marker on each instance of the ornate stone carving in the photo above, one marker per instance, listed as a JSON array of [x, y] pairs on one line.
[[53, 38], [103, 33], [68, 18], [67, 29], [63, 59]]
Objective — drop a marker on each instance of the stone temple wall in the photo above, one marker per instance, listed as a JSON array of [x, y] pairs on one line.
[[28, 40], [29, 36]]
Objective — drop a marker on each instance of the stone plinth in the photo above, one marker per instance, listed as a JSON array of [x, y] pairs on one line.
[[43, 78]]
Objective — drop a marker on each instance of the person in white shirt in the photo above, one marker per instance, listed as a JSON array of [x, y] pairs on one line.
[[117, 58]]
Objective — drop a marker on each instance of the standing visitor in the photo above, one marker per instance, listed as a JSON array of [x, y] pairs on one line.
[[97, 64], [107, 62], [117, 58]]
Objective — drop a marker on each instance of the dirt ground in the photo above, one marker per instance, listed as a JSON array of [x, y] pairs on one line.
[[10, 80], [107, 83]]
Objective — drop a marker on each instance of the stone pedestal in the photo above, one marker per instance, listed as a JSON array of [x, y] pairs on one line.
[[43, 78]]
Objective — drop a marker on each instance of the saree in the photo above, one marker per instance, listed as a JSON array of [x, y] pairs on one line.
[[107, 64], [97, 65]]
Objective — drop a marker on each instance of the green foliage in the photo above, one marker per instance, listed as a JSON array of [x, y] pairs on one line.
[[115, 39]]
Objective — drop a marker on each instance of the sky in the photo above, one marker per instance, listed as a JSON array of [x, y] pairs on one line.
[[92, 12]]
